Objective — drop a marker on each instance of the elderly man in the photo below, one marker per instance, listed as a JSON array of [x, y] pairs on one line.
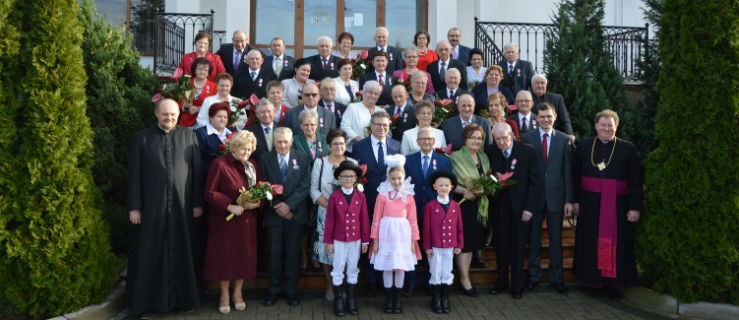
[[401, 112], [453, 126], [328, 96], [371, 151], [324, 64], [286, 215], [539, 88], [452, 91], [459, 52], [251, 78], [394, 56], [282, 64], [438, 68], [382, 76], [523, 117], [232, 54], [554, 155], [514, 206], [326, 119], [164, 196], [419, 166], [264, 130], [516, 73]]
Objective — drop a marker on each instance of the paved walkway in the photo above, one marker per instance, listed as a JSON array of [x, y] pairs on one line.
[[545, 303]]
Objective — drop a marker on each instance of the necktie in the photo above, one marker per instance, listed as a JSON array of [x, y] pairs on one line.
[[505, 154], [268, 138], [510, 68], [455, 53], [465, 124], [442, 72], [425, 165], [382, 49], [253, 76], [379, 78], [544, 147], [380, 155], [524, 126], [283, 167], [397, 110], [330, 107], [266, 130], [324, 64], [237, 59], [278, 65], [451, 93]]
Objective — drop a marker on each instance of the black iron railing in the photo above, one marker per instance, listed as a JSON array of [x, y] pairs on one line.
[[627, 44], [175, 34]]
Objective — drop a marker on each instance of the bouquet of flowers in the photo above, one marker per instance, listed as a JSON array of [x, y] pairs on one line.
[[263, 190], [441, 111], [357, 96], [406, 82], [488, 184], [360, 66], [447, 151], [242, 107], [180, 89]]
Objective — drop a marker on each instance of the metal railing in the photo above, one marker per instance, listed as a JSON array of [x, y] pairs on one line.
[[174, 37], [627, 44]]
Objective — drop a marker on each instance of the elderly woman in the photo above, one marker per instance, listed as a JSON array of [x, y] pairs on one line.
[[202, 45], [294, 86], [608, 196], [425, 55], [231, 254], [493, 76], [410, 56], [276, 95], [344, 80], [309, 141], [224, 82], [498, 108], [469, 163], [204, 88], [476, 70], [344, 43], [419, 83], [212, 137], [357, 115], [424, 113], [321, 187]]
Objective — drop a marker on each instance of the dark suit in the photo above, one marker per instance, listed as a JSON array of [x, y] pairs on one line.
[[439, 82], [444, 94], [405, 121], [531, 125], [480, 92], [316, 67], [209, 147], [326, 120], [258, 132], [226, 51], [244, 86], [283, 236], [338, 108], [506, 210], [557, 171], [452, 128], [563, 122], [395, 59], [464, 54], [288, 66], [389, 81], [520, 79]]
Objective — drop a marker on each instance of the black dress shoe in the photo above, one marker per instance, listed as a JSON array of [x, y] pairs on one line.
[[471, 292], [478, 263], [371, 290], [517, 295], [408, 291], [497, 289], [613, 294], [531, 286], [271, 300], [292, 300], [560, 287]]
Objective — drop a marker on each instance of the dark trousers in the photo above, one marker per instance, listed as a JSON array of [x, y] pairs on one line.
[[554, 228], [283, 244], [511, 236]]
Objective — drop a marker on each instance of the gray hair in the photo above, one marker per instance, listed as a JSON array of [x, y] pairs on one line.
[[511, 45], [539, 76], [419, 74], [443, 42], [239, 31], [382, 29], [428, 130], [409, 50], [306, 115], [283, 130], [524, 92], [264, 102], [502, 127], [452, 71], [371, 85], [326, 39], [379, 113]]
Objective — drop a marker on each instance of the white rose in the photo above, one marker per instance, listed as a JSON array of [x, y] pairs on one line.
[[360, 187], [494, 178], [269, 196]]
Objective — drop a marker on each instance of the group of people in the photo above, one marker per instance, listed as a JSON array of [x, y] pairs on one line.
[[365, 176]]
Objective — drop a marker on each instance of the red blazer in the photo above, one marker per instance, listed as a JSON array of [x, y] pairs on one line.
[[442, 229], [346, 221], [215, 59], [188, 119]]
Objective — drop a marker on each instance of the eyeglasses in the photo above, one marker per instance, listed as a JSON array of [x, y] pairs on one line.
[[206, 69], [347, 177], [310, 94], [382, 125], [425, 139], [475, 138]]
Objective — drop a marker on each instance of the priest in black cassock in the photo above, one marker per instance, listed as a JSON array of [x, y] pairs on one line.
[[164, 196], [608, 200]]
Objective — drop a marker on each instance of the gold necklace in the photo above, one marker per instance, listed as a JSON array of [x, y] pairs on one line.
[[601, 166]]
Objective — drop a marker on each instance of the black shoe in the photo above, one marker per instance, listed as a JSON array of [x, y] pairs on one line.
[[292, 300], [397, 304], [351, 301], [478, 263], [338, 301], [497, 289], [560, 287], [371, 290], [388, 301], [436, 299], [271, 300], [445, 298], [408, 291], [517, 295], [531, 286], [471, 292], [613, 293]]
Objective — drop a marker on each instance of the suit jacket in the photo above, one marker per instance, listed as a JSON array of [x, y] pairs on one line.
[[209, 147], [442, 229], [452, 128], [301, 143], [288, 66], [316, 71], [386, 97], [226, 51], [439, 84], [326, 120], [526, 193], [520, 79], [340, 216], [395, 59], [563, 122], [339, 109], [464, 54], [557, 169], [444, 94], [421, 186], [406, 120], [296, 185], [480, 93], [244, 86], [531, 126], [364, 153], [258, 132]]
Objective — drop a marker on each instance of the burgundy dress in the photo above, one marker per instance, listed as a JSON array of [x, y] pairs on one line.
[[231, 253]]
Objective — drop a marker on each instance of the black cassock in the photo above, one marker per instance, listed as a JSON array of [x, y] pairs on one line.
[[165, 183], [625, 169]]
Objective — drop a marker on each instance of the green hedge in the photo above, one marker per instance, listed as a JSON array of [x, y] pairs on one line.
[[689, 237], [55, 253]]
